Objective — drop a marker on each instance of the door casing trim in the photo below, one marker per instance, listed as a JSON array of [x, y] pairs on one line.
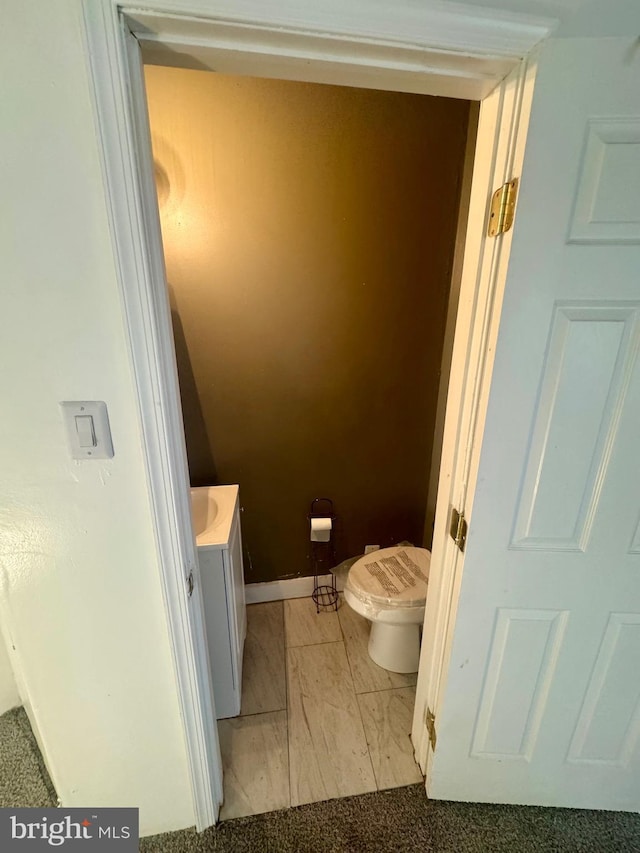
[[467, 54]]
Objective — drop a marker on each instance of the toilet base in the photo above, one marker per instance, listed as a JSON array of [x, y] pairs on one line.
[[395, 647]]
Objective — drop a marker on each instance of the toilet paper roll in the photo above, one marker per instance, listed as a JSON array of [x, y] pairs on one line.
[[320, 529]]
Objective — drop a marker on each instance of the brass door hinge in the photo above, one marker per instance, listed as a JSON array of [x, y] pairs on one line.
[[430, 723], [503, 203], [458, 528]]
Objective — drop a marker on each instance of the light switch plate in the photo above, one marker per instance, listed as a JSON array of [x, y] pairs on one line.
[[81, 432]]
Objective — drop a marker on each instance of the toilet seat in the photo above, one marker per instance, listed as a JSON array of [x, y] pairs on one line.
[[390, 579], [389, 588]]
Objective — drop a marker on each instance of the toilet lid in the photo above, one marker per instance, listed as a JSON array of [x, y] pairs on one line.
[[391, 576]]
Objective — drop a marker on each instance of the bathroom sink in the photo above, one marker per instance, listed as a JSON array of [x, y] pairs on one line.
[[212, 514], [204, 508]]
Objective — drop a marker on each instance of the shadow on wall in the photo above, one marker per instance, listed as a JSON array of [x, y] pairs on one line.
[[202, 466]]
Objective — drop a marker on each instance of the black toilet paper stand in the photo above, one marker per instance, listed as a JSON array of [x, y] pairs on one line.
[[323, 558]]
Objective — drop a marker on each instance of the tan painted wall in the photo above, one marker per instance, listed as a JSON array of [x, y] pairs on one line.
[[309, 234]]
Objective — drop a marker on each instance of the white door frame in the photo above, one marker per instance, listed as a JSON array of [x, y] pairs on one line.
[[467, 53], [498, 157]]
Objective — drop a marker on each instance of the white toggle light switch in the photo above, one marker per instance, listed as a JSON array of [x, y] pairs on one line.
[[88, 432]]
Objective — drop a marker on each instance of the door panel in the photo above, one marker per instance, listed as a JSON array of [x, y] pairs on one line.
[[542, 701], [521, 664], [585, 381], [609, 723]]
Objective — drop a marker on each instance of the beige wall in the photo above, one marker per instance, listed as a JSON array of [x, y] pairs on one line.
[[309, 233], [9, 696], [80, 592]]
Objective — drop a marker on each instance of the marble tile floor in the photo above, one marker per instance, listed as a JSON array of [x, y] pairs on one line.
[[319, 719]]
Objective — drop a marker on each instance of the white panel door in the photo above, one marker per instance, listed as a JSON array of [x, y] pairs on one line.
[[542, 700]]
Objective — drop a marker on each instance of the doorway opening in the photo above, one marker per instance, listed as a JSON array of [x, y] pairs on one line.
[[310, 237], [501, 81]]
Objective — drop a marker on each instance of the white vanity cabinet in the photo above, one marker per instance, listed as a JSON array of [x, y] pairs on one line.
[[219, 545]]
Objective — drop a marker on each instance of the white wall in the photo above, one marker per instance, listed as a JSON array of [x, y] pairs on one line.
[[79, 576], [9, 696]]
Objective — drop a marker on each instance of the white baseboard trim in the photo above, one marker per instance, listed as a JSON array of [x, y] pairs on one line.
[[255, 593]]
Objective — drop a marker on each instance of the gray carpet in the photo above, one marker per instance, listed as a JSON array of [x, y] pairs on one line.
[[403, 820], [24, 781], [398, 820]]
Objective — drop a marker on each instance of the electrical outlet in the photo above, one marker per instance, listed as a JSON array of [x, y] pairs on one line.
[[369, 548]]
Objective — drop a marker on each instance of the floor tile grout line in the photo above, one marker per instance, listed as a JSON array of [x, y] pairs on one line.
[[366, 738], [386, 689], [288, 759], [348, 645], [308, 645], [364, 729], [301, 645], [275, 713], [351, 648], [342, 604], [355, 717], [358, 695], [285, 652], [255, 714], [353, 687], [353, 682]]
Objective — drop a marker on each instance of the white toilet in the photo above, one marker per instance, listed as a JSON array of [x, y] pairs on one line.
[[389, 588]]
